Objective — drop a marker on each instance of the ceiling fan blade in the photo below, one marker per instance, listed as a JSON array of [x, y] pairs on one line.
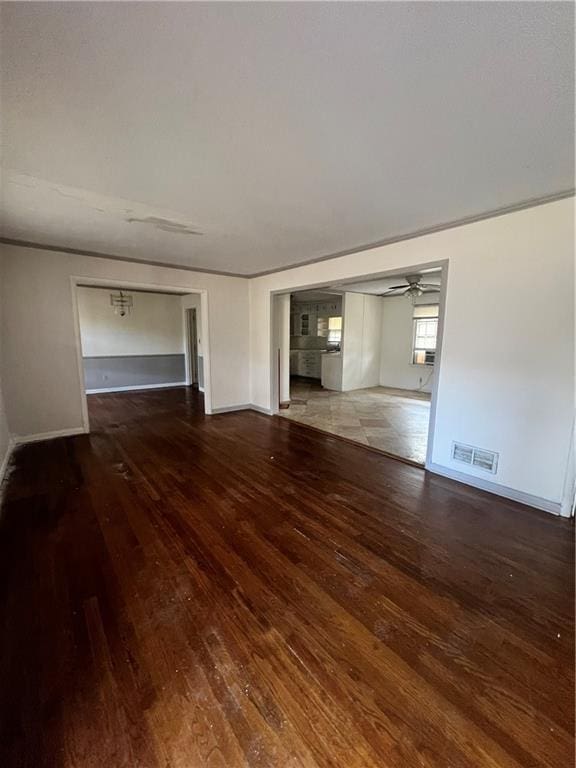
[[436, 286], [431, 289], [395, 292], [397, 287]]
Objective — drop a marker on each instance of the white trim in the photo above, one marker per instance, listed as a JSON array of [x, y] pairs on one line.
[[261, 409], [273, 370], [569, 491], [437, 364], [186, 330], [231, 408], [206, 352], [135, 389], [7, 456], [79, 359], [554, 507], [76, 280], [23, 439], [493, 213], [270, 323], [243, 407]]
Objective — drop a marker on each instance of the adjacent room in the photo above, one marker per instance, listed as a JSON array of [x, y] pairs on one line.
[[287, 384], [136, 340], [362, 362]]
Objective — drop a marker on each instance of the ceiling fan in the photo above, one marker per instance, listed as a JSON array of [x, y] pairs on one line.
[[413, 287]]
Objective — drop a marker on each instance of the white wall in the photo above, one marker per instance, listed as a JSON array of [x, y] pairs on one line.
[[42, 387], [4, 432], [361, 341], [396, 370], [507, 370], [153, 327]]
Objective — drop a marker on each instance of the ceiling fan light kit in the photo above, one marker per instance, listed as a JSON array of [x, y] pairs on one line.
[[413, 288]]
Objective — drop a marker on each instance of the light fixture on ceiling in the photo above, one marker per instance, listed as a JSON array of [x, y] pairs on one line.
[[122, 303], [413, 288]]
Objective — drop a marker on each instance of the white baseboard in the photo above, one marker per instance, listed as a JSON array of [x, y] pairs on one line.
[[135, 389], [231, 408], [6, 460], [24, 439], [260, 409], [554, 507], [242, 407]]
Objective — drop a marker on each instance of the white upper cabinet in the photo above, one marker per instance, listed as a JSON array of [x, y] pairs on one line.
[[304, 316]]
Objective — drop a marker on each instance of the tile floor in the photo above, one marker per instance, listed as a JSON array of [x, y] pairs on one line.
[[393, 420]]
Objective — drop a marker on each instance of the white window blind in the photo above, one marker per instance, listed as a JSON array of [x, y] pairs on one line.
[[426, 310], [334, 330]]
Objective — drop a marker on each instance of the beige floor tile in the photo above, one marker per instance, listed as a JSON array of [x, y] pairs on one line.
[[392, 420]]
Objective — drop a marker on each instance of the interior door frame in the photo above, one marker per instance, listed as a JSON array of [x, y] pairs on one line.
[[77, 281], [396, 272], [192, 378]]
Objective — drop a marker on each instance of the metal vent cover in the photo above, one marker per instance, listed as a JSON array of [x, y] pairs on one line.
[[475, 457]]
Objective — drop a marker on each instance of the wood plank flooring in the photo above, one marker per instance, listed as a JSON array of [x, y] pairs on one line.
[[182, 591]]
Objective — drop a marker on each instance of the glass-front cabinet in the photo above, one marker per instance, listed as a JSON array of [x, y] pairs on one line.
[[310, 319]]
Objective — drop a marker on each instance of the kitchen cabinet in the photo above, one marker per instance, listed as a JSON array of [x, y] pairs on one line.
[[306, 324], [332, 371], [305, 362], [304, 317]]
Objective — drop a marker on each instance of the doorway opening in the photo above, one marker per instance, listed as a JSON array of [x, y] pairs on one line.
[[138, 337], [191, 340], [362, 359]]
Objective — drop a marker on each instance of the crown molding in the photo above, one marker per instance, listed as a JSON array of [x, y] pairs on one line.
[[112, 257], [491, 214]]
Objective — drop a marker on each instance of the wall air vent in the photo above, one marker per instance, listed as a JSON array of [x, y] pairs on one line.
[[475, 457], [463, 453]]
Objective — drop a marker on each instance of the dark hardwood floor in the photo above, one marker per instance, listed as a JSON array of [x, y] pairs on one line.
[[182, 591]]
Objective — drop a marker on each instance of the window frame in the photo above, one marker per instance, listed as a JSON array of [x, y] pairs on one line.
[[338, 342], [415, 321]]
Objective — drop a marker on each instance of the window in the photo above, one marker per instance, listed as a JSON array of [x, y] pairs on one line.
[[331, 328], [425, 333], [334, 331]]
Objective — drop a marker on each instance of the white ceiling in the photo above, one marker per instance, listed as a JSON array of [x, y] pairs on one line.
[[282, 132]]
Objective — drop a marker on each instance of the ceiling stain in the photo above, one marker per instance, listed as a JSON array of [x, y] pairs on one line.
[[166, 225]]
